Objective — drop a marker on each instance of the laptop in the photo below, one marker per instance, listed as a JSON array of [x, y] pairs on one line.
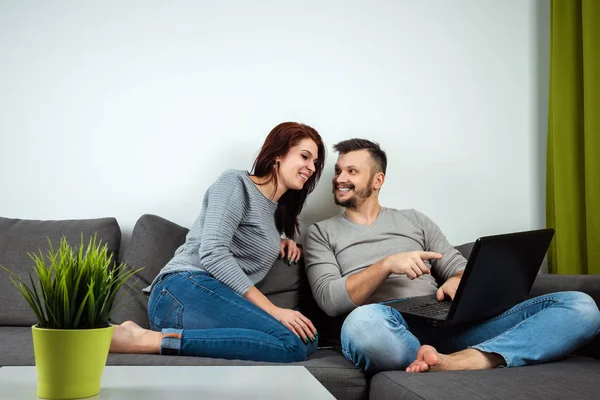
[[499, 275]]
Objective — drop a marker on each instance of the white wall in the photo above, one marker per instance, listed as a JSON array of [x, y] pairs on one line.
[[111, 108]]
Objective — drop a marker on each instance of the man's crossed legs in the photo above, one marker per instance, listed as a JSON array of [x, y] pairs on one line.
[[377, 338]]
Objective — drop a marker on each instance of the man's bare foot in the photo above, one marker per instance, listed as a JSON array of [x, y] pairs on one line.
[[428, 359], [129, 337]]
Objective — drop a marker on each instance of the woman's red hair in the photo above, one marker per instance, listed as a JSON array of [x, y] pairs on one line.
[[279, 141]]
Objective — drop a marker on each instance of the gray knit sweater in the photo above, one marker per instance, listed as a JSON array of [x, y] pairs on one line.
[[337, 248], [234, 238]]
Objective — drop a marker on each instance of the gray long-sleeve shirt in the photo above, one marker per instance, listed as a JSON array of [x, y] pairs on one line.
[[234, 238], [337, 248]]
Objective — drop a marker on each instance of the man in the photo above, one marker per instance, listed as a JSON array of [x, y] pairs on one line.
[[371, 254]]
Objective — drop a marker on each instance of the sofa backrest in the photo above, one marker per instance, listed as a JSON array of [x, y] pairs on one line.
[[153, 243], [20, 237]]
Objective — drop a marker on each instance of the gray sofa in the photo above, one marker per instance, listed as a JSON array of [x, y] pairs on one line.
[[153, 243]]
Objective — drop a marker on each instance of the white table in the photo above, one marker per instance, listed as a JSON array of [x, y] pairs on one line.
[[183, 383]]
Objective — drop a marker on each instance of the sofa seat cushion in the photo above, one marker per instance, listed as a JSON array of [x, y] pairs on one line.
[[337, 374], [572, 378], [19, 237], [16, 346]]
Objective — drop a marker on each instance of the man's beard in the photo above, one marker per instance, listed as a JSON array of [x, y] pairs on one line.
[[361, 194]]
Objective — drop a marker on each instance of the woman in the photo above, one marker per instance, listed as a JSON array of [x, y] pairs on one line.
[[204, 302]]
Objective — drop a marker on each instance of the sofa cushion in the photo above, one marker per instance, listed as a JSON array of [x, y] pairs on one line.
[[153, 243], [19, 237], [572, 378], [282, 278], [337, 374], [286, 285], [465, 249], [16, 346]]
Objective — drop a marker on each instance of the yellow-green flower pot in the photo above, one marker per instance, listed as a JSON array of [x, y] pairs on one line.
[[70, 362]]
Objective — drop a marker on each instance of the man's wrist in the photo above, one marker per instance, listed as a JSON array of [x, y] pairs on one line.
[[384, 264], [458, 274]]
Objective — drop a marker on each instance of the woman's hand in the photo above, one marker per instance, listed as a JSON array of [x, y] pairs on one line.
[[296, 322], [289, 248]]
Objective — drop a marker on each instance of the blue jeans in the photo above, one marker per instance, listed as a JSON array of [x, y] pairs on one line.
[[376, 337], [200, 316]]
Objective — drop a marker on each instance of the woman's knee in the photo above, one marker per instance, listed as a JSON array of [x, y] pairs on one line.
[[296, 349]]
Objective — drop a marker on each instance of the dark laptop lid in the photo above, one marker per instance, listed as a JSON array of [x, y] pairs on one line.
[[499, 274]]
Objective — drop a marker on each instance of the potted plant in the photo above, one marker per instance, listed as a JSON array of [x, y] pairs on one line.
[[72, 293]]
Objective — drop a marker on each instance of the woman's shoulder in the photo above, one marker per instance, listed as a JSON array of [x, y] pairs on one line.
[[233, 175], [232, 179]]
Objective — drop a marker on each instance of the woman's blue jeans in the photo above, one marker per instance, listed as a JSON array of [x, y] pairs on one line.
[[199, 316]]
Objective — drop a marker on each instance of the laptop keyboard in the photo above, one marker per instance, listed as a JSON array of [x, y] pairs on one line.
[[432, 309]]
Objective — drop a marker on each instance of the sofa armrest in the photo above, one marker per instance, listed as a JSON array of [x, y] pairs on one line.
[[590, 284], [549, 283]]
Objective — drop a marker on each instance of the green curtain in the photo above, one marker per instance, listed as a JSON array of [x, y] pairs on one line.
[[573, 159]]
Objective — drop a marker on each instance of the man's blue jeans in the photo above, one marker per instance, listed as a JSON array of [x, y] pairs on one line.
[[377, 338], [199, 316]]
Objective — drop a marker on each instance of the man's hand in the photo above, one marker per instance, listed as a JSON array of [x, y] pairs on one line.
[[410, 264], [449, 287]]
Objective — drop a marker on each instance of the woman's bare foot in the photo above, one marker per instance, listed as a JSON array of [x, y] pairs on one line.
[[428, 359], [129, 337]]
